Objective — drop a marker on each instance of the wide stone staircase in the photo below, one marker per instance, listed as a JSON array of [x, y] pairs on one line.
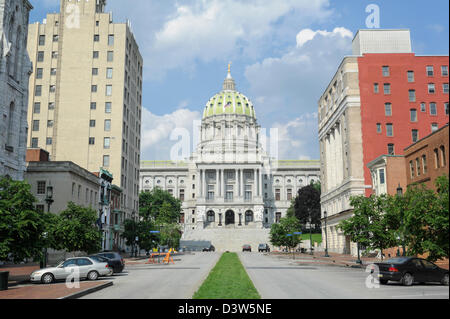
[[226, 239]]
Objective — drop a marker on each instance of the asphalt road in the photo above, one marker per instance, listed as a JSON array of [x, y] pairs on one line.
[[282, 278], [175, 281]]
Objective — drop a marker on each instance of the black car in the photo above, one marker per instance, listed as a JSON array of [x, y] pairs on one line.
[[210, 248], [247, 248], [263, 247], [409, 270], [117, 262]]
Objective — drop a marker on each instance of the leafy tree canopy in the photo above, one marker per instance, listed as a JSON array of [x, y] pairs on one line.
[[159, 206], [308, 202], [279, 232]]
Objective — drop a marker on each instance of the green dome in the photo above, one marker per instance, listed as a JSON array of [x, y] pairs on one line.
[[229, 102]]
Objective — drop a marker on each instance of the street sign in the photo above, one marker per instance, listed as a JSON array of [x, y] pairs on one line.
[[154, 232], [297, 233], [289, 235]]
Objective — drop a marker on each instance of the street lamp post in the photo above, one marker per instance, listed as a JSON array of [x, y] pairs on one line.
[[49, 200], [326, 234], [310, 234]]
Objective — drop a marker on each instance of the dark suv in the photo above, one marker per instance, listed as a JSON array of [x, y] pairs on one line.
[[247, 248], [210, 248], [116, 261], [263, 247]]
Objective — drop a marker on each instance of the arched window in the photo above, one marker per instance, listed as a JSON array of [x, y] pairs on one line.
[[11, 125], [17, 61], [443, 158], [10, 57], [211, 217]]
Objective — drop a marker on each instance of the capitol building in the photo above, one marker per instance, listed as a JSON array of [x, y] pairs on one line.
[[231, 189]]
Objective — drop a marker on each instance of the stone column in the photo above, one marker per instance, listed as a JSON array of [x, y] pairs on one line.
[[236, 185], [255, 172], [217, 185], [242, 183], [204, 184], [221, 184]]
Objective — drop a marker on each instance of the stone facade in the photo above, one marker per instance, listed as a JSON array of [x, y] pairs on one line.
[[15, 69], [231, 190], [85, 100]]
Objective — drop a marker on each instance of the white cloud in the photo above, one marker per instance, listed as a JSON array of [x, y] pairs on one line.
[[179, 34], [157, 129], [289, 87]]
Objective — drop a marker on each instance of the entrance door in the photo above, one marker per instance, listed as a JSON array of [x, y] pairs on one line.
[[229, 218]]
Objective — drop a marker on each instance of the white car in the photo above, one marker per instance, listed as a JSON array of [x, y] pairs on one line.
[[85, 267]]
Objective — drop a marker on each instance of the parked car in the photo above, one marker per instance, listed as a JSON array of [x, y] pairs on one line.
[[210, 248], [104, 260], [247, 248], [117, 261], [89, 268], [263, 248], [409, 270]]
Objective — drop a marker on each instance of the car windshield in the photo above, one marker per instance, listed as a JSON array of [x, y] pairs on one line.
[[98, 258], [399, 260]]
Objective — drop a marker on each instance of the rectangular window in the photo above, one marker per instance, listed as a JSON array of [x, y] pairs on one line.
[[52, 88], [92, 123], [50, 123], [418, 168], [446, 108], [95, 71], [277, 218], [389, 130], [289, 194], [411, 169], [387, 88], [385, 70], [41, 187], [423, 107], [109, 73], [277, 194], [49, 141], [96, 38], [410, 76], [381, 173], [34, 142], [42, 40], [433, 109], [391, 149], [94, 88], [39, 73], [182, 195], [376, 88], [54, 55], [388, 109], [110, 56], [106, 159], [40, 56], [379, 129], [444, 70], [108, 107], [106, 143], [430, 70], [434, 127], [92, 141], [108, 90], [424, 164], [95, 54], [111, 39], [445, 88], [53, 71], [37, 108], [55, 38], [431, 88], [413, 115], [35, 125], [107, 125], [38, 90], [415, 135], [93, 105], [412, 95]]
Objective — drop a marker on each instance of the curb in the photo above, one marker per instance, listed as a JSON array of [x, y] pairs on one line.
[[88, 291]]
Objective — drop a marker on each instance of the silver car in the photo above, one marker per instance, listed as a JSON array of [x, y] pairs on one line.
[[86, 267]]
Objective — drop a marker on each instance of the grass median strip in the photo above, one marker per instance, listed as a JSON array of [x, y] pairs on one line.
[[227, 280]]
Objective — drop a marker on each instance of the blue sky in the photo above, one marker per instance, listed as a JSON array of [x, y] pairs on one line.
[[187, 45]]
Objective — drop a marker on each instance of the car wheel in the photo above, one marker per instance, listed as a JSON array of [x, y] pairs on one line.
[[47, 278], [93, 275], [383, 281], [444, 280], [407, 279]]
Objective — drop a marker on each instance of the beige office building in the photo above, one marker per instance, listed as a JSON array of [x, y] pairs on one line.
[[86, 93]]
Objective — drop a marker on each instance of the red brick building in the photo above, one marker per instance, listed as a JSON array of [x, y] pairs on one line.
[[404, 98]]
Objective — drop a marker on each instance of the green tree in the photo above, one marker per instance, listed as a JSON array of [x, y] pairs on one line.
[[170, 235], [21, 227], [131, 231], [279, 232], [76, 230], [427, 220], [147, 241], [307, 204], [159, 206]]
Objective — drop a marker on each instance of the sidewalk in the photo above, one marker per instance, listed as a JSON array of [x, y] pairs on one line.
[[335, 259], [53, 291], [19, 274]]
